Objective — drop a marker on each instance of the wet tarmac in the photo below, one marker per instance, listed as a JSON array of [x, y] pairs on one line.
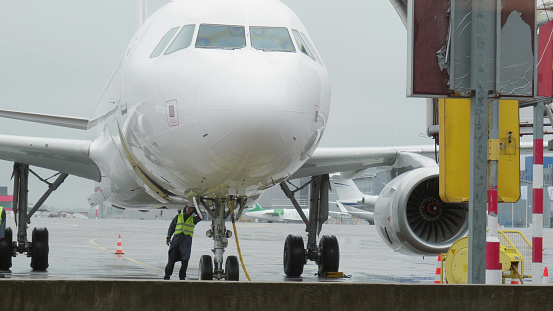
[[83, 249]]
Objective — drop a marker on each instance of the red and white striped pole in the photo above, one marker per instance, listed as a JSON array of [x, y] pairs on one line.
[[537, 196], [493, 265]]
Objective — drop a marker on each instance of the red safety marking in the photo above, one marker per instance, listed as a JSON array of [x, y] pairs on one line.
[[492, 256], [537, 249], [492, 200], [538, 151], [538, 204]]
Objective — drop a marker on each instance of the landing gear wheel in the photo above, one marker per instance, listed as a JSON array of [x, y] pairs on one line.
[[330, 254], [40, 249], [231, 268], [294, 255], [206, 268], [6, 251]]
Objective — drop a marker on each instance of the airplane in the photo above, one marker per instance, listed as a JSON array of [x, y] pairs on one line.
[[280, 215], [274, 215], [218, 101], [352, 201]]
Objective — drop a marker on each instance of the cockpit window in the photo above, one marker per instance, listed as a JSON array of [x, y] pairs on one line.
[[221, 37], [302, 45], [182, 40], [164, 41], [311, 48], [271, 39]]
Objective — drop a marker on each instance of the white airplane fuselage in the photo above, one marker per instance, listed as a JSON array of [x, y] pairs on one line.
[[208, 120]]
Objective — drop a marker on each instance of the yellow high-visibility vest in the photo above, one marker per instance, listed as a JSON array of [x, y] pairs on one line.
[[185, 227]]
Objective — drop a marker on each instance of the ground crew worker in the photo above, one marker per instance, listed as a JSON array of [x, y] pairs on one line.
[[182, 229]]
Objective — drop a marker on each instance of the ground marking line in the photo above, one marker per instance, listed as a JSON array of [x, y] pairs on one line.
[[93, 241]]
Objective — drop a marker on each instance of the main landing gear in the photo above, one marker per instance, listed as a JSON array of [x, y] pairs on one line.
[[327, 253], [210, 269], [38, 247]]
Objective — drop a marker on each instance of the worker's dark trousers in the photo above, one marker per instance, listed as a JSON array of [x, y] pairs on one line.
[[174, 256]]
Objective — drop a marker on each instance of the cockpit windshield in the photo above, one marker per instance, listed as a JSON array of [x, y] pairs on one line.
[[182, 40], [302, 44], [271, 39], [164, 41], [221, 37]]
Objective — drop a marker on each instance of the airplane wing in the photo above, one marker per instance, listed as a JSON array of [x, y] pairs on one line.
[[355, 160], [331, 160], [76, 123], [63, 155]]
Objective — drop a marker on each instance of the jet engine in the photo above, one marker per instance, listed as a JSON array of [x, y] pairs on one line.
[[412, 219]]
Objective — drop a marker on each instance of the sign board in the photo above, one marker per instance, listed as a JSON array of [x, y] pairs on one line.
[[454, 140], [440, 49]]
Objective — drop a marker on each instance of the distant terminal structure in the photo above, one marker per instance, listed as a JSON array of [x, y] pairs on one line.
[[6, 200]]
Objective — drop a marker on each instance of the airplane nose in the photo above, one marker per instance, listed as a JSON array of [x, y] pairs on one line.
[[252, 110]]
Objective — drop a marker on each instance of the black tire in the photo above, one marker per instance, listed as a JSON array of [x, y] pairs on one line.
[[6, 251], [330, 254], [206, 268], [232, 269], [294, 255], [39, 249]]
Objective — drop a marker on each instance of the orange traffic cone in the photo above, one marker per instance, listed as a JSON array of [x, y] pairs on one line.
[[438, 277], [545, 276], [119, 251]]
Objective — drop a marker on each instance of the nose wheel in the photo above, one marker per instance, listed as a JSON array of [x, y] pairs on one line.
[[206, 268], [231, 273]]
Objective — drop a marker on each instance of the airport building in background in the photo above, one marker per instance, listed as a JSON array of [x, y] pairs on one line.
[[6, 200]]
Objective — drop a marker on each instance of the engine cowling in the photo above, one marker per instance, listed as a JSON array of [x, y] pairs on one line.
[[412, 219]]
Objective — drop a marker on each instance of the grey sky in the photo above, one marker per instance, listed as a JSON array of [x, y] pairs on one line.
[[56, 56]]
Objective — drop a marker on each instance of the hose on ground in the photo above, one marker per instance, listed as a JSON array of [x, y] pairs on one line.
[[236, 238]]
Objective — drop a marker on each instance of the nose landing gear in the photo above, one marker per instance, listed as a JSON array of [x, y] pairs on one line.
[[208, 269]]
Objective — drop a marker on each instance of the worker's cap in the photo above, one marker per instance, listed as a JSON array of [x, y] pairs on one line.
[[190, 203]]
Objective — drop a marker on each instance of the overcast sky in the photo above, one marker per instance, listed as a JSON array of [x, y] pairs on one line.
[[56, 57]]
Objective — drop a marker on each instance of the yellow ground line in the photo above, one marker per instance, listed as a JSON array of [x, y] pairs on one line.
[[93, 241]]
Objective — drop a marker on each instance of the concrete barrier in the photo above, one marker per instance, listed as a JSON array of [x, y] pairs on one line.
[[221, 295]]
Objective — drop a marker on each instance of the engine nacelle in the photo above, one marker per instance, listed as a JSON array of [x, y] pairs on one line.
[[411, 218]]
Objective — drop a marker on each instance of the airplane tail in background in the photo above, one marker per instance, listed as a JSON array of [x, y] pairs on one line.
[[346, 188], [256, 208]]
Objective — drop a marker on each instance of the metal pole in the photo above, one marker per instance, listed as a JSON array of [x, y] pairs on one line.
[[537, 197], [493, 265], [483, 33]]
